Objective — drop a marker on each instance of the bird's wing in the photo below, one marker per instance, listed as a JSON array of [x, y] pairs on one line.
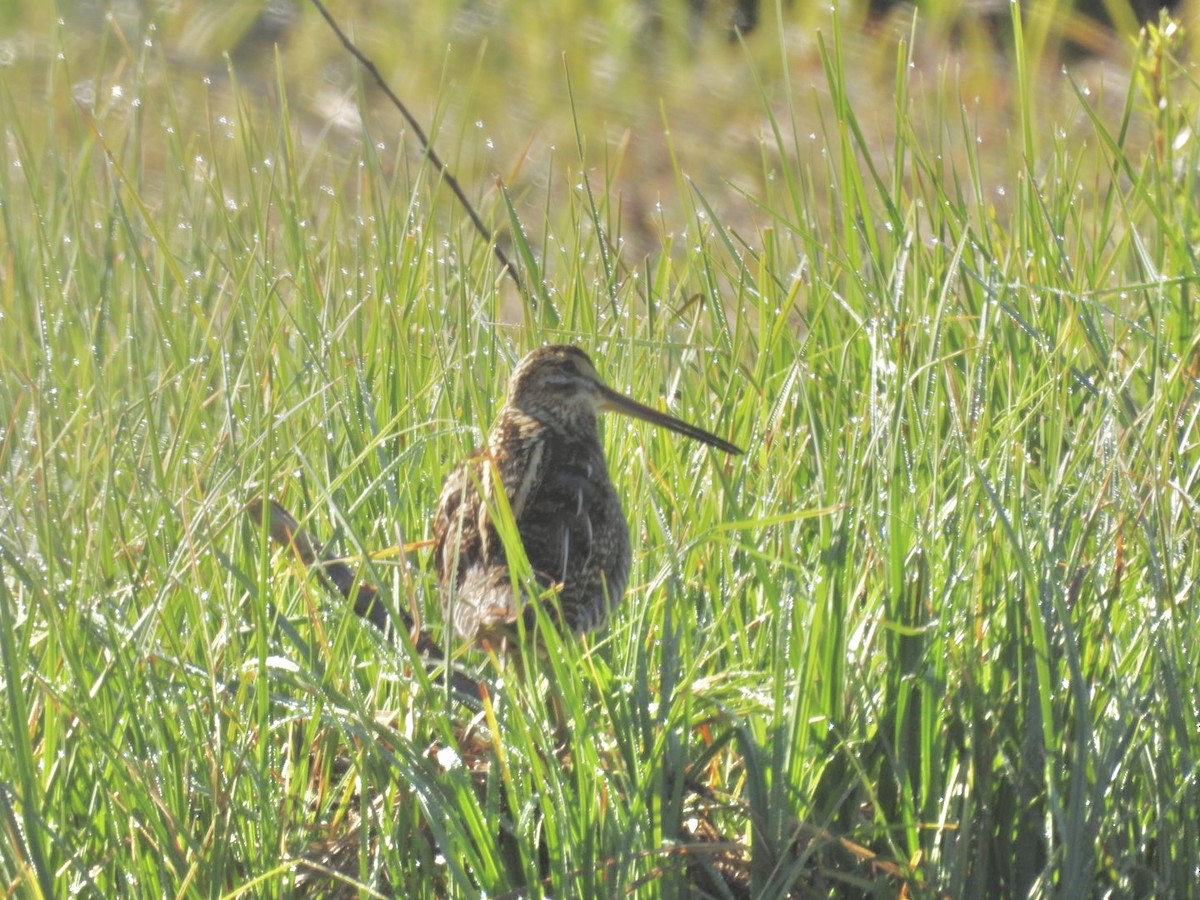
[[463, 536], [455, 534], [518, 458]]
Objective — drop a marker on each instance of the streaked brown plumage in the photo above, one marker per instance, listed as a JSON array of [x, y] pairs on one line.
[[544, 453]]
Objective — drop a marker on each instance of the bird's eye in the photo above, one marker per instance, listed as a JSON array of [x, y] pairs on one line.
[[562, 377]]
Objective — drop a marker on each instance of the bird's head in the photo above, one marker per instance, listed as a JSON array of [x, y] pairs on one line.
[[559, 387]]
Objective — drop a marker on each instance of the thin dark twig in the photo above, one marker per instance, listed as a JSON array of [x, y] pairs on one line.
[[286, 531], [426, 146]]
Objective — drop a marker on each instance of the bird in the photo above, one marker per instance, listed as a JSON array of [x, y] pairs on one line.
[[544, 459]]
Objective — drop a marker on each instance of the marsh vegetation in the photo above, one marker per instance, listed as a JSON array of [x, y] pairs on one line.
[[932, 634]]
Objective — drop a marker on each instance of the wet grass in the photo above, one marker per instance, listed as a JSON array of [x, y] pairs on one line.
[[939, 611]]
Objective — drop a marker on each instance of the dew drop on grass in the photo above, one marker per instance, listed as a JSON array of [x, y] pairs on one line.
[[448, 759]]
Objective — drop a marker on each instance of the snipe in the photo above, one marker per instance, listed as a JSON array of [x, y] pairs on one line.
[[544, 454]]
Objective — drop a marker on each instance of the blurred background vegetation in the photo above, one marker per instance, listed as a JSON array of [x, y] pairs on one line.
[[660, 101]]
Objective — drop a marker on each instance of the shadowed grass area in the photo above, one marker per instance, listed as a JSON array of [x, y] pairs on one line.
[[930, 634]]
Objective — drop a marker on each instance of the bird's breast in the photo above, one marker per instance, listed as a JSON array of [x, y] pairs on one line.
[[573, 524]]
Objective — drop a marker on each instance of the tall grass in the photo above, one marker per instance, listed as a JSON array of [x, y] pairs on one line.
[[939, 611]]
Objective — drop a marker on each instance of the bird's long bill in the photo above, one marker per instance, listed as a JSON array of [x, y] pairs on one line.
[[615, 402]]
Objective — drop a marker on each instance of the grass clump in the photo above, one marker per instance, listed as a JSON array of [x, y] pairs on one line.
[[929, 635]]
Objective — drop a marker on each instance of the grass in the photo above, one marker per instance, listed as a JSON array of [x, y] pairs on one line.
[[940, 609]]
